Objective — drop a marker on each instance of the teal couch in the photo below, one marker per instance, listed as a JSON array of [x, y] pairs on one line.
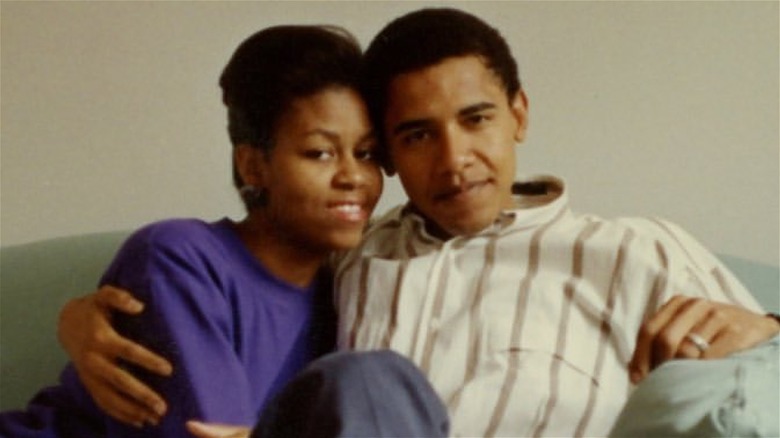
[[36, 279]]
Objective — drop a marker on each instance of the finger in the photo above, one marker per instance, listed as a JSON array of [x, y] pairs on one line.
[[117, 406], [137, 354], [668, 341], [119, 380], [211, 430], [118, 299], [143, 395], [728, 337], [709, 328], [107, 342], [641, 361], [689, 350]]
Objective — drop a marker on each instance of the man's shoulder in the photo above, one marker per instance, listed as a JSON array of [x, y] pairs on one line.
[[642, 228], [649, 238], [657, 229]]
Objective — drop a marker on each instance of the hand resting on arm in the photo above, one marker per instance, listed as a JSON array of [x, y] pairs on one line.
[[726, 328], [86, 334]]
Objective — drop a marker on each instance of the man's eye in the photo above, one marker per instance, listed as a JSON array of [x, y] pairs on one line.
[[477, 119], [414, 137]]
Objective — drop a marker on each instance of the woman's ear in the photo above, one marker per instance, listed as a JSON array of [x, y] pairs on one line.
[[519, 108], [248, 162]]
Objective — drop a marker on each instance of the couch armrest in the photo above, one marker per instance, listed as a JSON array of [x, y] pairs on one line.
[[762, 280]]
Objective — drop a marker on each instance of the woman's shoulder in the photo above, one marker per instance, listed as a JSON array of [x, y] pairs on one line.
[[176, 236], [174, 228], [169, 231], [171, 245]]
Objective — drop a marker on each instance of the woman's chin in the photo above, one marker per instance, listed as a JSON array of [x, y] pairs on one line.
[[343, 241]]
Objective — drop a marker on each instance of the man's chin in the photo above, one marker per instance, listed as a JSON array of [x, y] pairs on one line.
[[450, 228]]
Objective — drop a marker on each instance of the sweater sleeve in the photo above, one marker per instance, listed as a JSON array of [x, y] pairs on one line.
[[188, 319], [65, 410]]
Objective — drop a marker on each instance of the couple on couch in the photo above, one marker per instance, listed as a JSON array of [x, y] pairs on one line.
[[483, 307]]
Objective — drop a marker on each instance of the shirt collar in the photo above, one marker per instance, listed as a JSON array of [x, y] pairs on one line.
[[537, 200]]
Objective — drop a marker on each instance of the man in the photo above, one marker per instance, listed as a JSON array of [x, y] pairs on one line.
[[522, 314]]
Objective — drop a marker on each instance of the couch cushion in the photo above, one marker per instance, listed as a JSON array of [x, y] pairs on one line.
[[36, 279]]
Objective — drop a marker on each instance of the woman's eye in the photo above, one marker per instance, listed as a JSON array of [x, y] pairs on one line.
[[365, 154], [318, 154]]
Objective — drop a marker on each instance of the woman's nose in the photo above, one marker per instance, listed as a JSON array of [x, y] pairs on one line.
[[350, 173]]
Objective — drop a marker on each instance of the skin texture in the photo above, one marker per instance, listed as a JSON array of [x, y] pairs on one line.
[[727, 328], [85, 332], [452, 132], [322, 184]]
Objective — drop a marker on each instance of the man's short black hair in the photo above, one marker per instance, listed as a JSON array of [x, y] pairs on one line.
[[425, 38]]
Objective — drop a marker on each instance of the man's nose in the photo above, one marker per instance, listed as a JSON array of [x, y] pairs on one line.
[[456, 151]]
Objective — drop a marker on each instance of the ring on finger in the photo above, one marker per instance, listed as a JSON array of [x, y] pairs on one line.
[[698, 341]]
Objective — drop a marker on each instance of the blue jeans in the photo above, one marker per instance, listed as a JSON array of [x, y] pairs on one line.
[[732, 397], [356, 394]]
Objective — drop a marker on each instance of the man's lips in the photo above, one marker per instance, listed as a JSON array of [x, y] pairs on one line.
[[462, 190]]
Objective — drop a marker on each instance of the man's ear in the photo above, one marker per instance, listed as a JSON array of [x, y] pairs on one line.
[[249, 165], [519, 108]]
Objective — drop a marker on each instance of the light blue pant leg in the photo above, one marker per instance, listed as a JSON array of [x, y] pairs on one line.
[[737, 396]]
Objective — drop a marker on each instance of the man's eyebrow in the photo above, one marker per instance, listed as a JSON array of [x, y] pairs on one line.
[[410, 125], [476, 108]]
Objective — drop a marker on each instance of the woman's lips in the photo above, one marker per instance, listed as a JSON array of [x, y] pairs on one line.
[[349, 211]]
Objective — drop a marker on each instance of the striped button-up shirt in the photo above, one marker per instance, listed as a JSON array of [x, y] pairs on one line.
[[526, 328]]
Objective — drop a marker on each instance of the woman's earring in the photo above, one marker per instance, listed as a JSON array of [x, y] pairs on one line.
[[253, 196]]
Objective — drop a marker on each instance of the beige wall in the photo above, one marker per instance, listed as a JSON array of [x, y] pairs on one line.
[[111, 115]]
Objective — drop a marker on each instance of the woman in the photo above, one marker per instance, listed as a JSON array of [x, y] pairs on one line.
[[240, 307]]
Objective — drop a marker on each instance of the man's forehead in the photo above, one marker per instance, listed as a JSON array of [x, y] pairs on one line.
[[459, 81], [448, 69]]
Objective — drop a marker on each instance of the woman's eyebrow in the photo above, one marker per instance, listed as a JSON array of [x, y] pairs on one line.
[[330, 135], [335, 137]]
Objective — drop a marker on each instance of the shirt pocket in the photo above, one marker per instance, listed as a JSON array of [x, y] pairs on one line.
[[537, 341]]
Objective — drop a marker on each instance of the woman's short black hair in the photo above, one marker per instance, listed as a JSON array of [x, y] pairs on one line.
[[277, 65], [422, 39]]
